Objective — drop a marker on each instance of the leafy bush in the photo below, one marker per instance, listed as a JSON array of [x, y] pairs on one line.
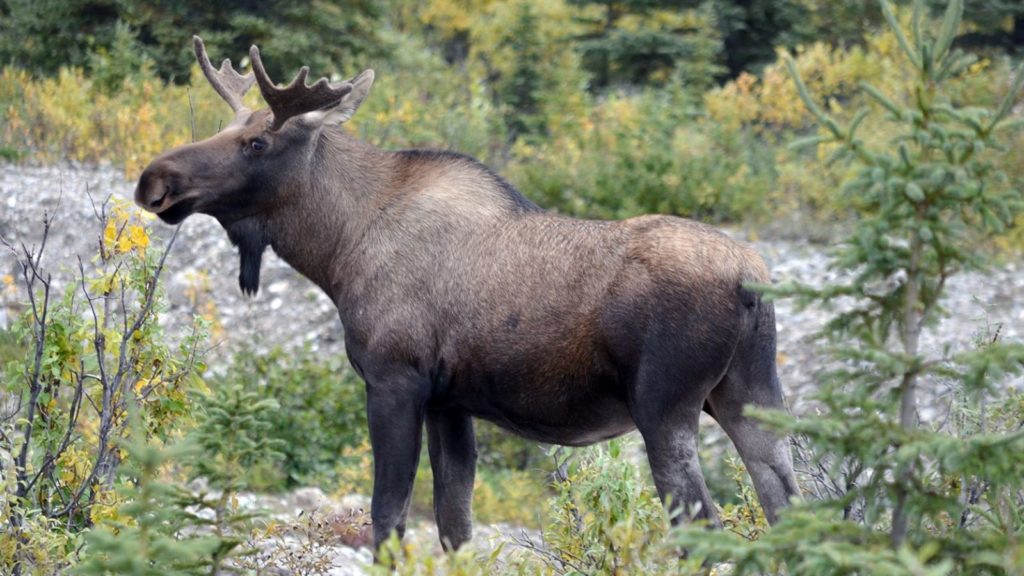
[[762, 106], [521, 105], [95, 355], [649, 153], [148, 537], [70, 117], [164, 528]]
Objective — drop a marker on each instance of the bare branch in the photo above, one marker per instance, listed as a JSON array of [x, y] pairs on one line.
[[106, 409]]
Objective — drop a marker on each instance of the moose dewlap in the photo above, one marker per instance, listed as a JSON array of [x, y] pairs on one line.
[[460, 298]]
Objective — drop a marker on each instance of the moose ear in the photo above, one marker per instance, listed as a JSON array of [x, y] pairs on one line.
[[351, 102]]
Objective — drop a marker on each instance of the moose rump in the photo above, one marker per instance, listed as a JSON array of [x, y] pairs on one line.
[[572, 332], [460, 298]]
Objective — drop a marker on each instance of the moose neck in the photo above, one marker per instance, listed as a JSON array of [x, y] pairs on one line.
[[329, 208]]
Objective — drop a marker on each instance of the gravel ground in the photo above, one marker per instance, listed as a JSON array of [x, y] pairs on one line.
[[290, 311]]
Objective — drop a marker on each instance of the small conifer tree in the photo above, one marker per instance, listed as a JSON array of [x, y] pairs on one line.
[[913, 497]]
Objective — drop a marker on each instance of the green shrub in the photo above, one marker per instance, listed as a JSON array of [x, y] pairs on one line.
[[160, 526], [606, 519], [322, 412], [150, 536]]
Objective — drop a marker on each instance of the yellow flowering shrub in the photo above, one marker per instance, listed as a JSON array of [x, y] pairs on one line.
[[94, 362], [68, 117]]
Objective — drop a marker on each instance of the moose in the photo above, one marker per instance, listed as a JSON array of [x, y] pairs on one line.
[[460, 299]]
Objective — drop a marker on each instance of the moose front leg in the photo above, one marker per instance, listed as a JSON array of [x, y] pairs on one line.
[[395, 414], [452, 446]]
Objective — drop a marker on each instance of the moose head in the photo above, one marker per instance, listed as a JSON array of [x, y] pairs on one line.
[[258, 163]]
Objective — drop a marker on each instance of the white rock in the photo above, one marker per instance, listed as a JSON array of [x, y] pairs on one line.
[[309, 498]]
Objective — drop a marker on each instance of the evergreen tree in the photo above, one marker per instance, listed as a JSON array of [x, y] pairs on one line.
[[751, 29], [520, 92], [44, 35], [619, 53], [992, 18], [909, 497]]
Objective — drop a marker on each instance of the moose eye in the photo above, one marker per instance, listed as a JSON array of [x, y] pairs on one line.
[[258, 145]]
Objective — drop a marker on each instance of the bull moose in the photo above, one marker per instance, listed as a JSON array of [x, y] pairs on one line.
[[461, 298]]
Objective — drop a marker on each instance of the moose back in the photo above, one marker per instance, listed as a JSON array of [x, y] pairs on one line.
[[460, 298]]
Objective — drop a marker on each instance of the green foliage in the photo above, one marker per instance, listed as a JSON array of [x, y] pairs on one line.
[[838, 22], [649, 153], [752, 30], [321, 412], [997, 22], [121, 61], [518, 101], [909, 498], [147, 539], [12, 347], [234, 431], [762, 107], [645, 41], [521, 91], [606, 519], [401, 559], [44, 37], [419, 102], [162, 527], [927, 182], [70, 117], [497, 448]]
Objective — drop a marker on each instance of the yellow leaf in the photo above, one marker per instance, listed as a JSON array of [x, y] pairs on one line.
[[138, 236], [110, 234]]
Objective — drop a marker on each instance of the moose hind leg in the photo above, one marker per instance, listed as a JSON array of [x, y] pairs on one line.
[[452, 446], [765, 454], [672, 453]]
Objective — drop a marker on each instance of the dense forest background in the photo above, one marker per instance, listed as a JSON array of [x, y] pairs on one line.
[[890, 133], [621, 43]]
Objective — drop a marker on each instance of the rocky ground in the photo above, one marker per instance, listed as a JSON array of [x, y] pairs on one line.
[[202, 271]]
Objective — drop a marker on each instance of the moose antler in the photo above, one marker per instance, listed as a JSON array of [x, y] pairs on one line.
[[227, 82], [297, 97]]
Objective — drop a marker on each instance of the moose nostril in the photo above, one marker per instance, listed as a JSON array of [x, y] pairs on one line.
[[156, 202], [152, 189]]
